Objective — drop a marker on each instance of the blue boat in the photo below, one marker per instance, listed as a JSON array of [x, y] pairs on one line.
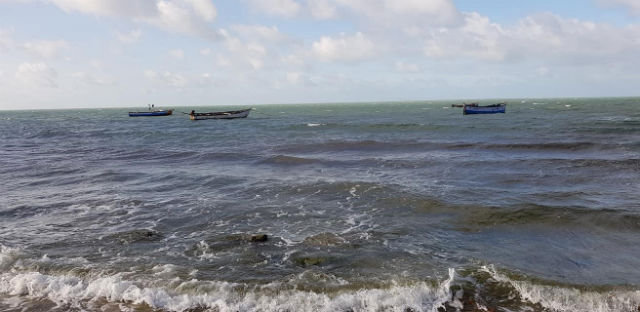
[[499, 108], [151, 113]]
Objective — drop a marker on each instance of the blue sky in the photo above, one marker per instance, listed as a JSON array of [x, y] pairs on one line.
[[125, 53]]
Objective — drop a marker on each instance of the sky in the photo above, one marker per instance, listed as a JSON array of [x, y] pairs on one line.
[[129, 53]]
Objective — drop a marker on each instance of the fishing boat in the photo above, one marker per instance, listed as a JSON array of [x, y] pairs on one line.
[[153, 113], [243, 113], [485, 109]]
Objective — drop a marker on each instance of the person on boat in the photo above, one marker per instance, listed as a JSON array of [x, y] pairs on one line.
[[193, 112]]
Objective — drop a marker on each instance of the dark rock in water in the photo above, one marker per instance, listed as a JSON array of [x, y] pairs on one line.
[[228, 242], [142, 235], [309, 261], [324, 239], [247, 237], [259, 238]]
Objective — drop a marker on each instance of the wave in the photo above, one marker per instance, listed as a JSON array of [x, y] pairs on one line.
[[91, 293], [388, 126], [8, 256], [547, 146], [477, 289], [373, 145], [476, 216], [365, 145], [539, 215], [288, 160], [566, 298]]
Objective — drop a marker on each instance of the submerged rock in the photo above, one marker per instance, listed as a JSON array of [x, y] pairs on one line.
[[309, 261], [324, 239], [259, 238], [141, 235], [247, 237]]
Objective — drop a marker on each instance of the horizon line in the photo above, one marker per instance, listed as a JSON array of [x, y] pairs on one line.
[[345, 102]]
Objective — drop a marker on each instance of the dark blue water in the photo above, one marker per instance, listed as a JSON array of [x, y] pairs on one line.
[[326, 207]]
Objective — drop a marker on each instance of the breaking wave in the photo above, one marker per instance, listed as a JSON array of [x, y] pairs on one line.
[[566, 299], [76, 292]]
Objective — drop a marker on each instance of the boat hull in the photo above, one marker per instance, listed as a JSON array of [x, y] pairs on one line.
[[220, 115], [151, 114], [472, 110]]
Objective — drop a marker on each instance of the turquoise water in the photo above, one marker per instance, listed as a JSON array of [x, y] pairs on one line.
[[366, 207]]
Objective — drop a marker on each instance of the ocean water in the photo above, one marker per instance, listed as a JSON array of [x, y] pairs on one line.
[[365, 207]]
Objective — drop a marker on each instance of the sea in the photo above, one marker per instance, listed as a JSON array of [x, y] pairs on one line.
[[348, 207]]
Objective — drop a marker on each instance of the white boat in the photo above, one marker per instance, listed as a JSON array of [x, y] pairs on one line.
[[220, 115]]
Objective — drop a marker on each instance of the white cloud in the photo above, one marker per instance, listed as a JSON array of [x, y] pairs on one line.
[[385, 13], [259, 32], [205, 79], [293, 60], [204, 8], [90, 79], [322, 9], [443, 11], [344, 48], [130, 37], [574, 40], [178, 54], [284, 8], [632, 5], [407, 67], [167, 78], [179, 16], [6, 40], [256, 63], [254, 47], [124, 8], [542, 71], [477, 38], [293, 77], [46, 48], [243, 54], [544, 38], [223, 61], [36, 75], [386, 43]]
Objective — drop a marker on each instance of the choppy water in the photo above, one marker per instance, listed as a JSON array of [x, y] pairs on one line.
[[366, 207]]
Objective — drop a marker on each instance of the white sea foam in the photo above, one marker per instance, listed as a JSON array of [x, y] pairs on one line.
[[570, 299], [166, 270], [315, 124], [8, 256], [72, 291], [204, 251]]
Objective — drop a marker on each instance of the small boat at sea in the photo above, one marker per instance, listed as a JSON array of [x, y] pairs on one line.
[[498, 108], [153, 113], [243, 113]]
